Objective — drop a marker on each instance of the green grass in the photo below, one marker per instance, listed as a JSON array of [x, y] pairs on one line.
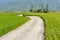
[[52, 21], [9, 13], [9, 23], [52, 29]]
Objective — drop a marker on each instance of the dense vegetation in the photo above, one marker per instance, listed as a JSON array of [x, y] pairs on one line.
[[41, 9], [9, 22], [52, 21]]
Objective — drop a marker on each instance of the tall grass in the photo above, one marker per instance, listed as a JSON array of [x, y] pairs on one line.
[[52, 21], [52, 29], [9, 23]]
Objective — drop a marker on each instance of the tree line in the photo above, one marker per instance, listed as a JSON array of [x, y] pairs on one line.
[[40, 10]]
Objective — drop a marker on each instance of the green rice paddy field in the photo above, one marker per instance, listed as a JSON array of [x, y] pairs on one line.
[[52, 21], [10, 22]]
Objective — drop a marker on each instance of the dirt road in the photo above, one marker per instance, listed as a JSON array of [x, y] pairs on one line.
[[32, 30]]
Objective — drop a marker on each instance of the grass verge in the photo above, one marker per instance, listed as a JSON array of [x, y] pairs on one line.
[[9, 23], [52, 21]]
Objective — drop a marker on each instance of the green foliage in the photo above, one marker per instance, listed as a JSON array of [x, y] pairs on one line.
[[46, 11], [31, 10], [52, 29], [9, 23], [40, 10], [52, 21]]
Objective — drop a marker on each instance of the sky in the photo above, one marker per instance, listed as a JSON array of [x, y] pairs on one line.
[[24, 5]]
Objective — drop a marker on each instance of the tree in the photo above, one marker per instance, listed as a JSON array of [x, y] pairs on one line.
[[39, 10], [44, 11], [31, 10], [47, 8], [41, 7]]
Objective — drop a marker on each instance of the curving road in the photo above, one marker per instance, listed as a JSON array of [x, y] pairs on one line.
[[31, 30]]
